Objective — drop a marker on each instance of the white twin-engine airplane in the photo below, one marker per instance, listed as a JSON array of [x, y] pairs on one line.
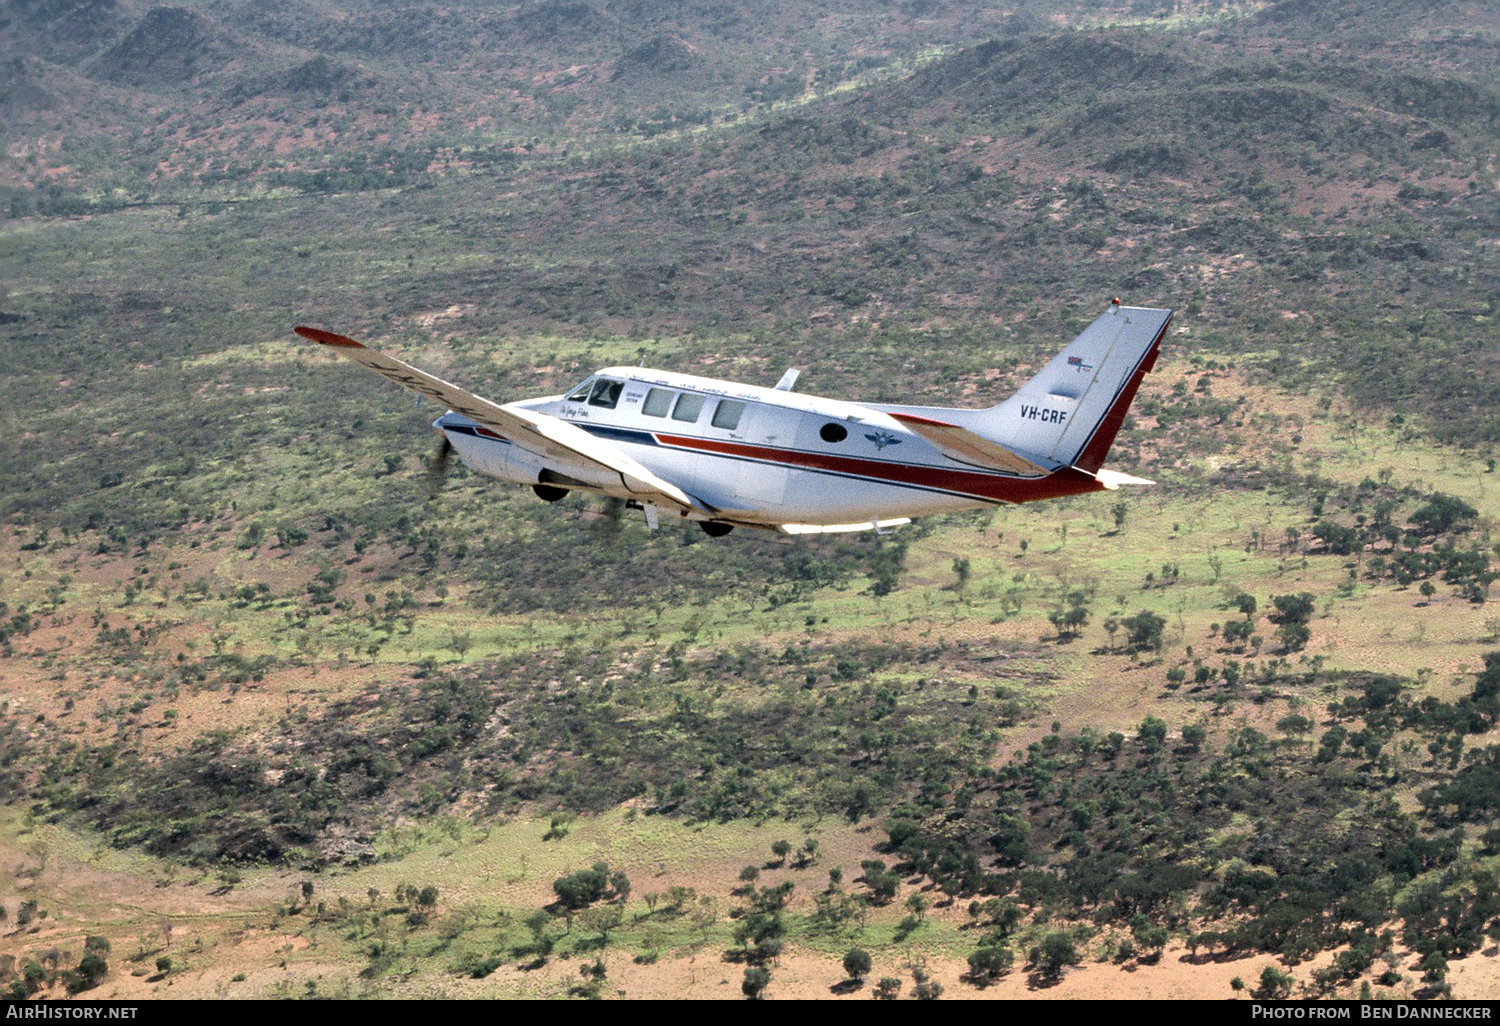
[[728, 455]]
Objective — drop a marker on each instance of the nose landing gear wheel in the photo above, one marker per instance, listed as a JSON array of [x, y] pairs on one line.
[[548, 493], [714, 529]]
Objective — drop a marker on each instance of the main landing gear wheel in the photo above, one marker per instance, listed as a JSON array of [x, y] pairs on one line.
[[548, 493], [714, 529]]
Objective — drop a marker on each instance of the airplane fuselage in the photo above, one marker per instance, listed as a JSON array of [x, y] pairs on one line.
[[758, 455]]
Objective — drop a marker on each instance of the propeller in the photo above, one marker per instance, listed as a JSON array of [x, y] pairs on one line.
[[437, 470], [613, 511]]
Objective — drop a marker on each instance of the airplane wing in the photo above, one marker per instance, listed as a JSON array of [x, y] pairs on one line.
[[546, 436], [963, 445]]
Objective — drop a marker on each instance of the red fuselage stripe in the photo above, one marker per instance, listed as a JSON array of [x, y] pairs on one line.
[[1065, 481]]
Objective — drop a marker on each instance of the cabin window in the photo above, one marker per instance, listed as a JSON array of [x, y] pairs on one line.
[[581, 393], [833, 433], [606, 393], [727, 414], [658, 402], [688, 407]]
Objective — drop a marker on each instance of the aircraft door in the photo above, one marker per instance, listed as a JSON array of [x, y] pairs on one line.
[[756, 482]]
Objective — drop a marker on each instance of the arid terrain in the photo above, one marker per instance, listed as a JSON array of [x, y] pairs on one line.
[[281, 714]]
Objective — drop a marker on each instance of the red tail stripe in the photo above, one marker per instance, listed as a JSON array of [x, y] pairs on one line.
[[1092, 456]]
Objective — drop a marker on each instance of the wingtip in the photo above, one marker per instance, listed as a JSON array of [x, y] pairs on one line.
[[327, 338]]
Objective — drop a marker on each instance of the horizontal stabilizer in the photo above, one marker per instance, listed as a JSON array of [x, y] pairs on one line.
[[1113, 479], [964, 446]]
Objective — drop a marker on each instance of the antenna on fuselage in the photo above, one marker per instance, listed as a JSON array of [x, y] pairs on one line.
[[788, 380]]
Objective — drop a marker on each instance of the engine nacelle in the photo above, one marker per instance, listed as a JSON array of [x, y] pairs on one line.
[[509, 462]]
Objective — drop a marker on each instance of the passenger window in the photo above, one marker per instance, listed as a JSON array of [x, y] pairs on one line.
[[606, 393], [658, 402], [833, 433], [727, 415], [688, 407]]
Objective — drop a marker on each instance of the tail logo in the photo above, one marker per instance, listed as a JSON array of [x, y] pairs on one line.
[[1077, 361], [883, 439]]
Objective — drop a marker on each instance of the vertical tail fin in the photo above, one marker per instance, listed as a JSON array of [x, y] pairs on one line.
[[1071, 411]]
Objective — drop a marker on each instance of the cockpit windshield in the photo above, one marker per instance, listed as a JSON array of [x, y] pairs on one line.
[[581, 393], [606, 393]]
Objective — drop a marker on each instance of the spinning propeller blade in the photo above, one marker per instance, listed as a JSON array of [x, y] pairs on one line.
[[438, 469]]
